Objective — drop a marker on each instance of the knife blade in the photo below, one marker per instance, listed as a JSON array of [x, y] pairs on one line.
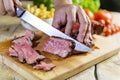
[[47, 29]]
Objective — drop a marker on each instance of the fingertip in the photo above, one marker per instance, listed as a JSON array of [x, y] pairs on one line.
[[67, 33], [11, 12], [79, 38], [68, 27], [90, 37], [3, 13], [18, 2], [55, 24]]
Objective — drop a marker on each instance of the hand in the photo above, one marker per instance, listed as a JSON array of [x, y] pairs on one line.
[[7, 7], [67, 15]]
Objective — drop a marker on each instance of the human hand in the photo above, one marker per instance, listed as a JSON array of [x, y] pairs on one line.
[[67, 15], [7, 7]]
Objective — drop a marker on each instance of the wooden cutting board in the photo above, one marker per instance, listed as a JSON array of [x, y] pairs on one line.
[[108, 46]]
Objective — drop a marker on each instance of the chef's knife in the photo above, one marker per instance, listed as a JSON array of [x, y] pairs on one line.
[[46, 28]]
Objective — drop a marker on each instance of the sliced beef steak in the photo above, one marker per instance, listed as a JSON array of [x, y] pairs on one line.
[[44, 66], [29, 34], [58, 46], [31, 55], [97, 28], [20, 53], [22, 40], [13, 52], [22, 48]]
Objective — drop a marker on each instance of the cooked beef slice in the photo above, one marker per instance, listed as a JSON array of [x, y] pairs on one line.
[[20, 53], [97, 28], [31, 55], [22, 48], [58, 46], [44, 66], [29, 34], [22, 40], [13, 52]]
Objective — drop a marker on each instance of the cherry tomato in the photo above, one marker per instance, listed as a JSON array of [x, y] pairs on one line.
[[107, 31], [112, 27], [105, 15], [89, 14], [101, 21], [117, 28], [113, 30], [108, 21]]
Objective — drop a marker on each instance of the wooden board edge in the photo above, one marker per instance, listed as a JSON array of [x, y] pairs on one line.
[[86, 66], [9, 62], [26, 74]]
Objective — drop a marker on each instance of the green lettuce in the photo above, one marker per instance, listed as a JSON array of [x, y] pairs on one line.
[[92, 5]]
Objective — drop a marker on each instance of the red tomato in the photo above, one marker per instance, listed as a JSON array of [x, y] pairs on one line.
[[112, 27], [89, 14], [108, 21], [104, 30], [117, 28], [104, 15], [101, 21], [113, 30], [107, 31]]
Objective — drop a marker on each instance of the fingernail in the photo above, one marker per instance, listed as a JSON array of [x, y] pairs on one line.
[[90, 44], [18, 2]]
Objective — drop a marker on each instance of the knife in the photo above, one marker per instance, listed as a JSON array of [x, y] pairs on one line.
[[46, 28]]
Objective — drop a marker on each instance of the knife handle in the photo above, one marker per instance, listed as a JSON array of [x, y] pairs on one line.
[[19, 11]]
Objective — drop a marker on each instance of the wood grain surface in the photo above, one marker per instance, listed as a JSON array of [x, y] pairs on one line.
[[69, 66]]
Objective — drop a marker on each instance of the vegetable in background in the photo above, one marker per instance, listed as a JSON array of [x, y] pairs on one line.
[[89, 14], [104, 16], [92, 5], [78, 2], [48, 3], [41, 11]]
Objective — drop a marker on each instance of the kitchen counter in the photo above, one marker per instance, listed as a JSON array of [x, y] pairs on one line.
[[106, 70]]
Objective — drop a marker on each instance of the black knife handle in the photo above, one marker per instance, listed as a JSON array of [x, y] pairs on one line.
[[19, 11]]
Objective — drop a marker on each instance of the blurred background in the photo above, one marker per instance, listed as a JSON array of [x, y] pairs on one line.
[[111, 5]]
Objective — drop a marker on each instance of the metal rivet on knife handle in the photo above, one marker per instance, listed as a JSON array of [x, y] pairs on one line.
[[19, 11]]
